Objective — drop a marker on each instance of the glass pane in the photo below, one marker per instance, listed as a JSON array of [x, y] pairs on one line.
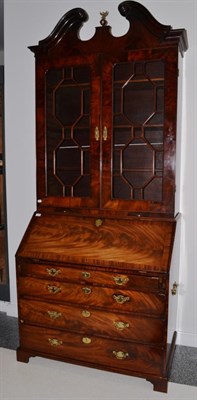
[[68, 131], [138, 115]]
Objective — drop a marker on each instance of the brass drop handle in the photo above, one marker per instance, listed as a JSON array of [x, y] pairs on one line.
[[120, 355], [54, 289], [54, 314], [120, 299], [174, 288], [53, 271], [97, 134], [120, 325], [120, 280], [55, 342], [105, 133]]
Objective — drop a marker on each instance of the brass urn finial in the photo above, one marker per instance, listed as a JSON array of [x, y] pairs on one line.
[[103, 20]]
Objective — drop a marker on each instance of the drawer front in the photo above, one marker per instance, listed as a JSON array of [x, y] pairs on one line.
[[74, 274], [97, 351], [91, 321], [122, 300]]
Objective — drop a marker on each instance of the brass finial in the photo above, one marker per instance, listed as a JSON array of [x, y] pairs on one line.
[[103, 20]]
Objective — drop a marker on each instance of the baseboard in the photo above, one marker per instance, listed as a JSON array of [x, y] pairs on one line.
[[184, 339], [9, 308]]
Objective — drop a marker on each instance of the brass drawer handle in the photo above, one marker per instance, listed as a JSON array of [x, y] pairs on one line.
[[86, 290], [120, 299], [54, 314], [120, 280], [86, 340], [86, 275], [55, 342], [98, 222], [53, 289], [53, 271], [120, 355], [85, 313], [120, 325]]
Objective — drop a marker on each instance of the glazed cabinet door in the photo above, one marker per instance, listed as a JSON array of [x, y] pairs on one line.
[[68, 142], [139, 117]]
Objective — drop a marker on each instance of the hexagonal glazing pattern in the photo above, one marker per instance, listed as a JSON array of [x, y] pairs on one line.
[[138, 114], [68, 131]]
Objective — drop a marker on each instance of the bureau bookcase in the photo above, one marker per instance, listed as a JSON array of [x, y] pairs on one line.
[[93, 265]]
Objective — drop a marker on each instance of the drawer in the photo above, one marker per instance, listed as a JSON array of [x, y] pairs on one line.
[[110, 298], [91, 321], [76, 274], [119, 355]]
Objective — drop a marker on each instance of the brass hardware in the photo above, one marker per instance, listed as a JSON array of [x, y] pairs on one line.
[[53, 289], [120, 280], [86, 340], [97, 134], [121, 325], [103, 20], [174, 288], [86, 275], [120, 299], [54, 314], [120, 355], [85, 313], [98, 222], [105, 133], [19, 267], [22, 321], [55, 342], [86, 290], [53, 271]]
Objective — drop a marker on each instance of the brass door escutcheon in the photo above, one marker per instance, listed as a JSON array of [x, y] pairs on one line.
[[120, 355], [55, 342], [120, 280], [105, 133], [120, 299], [120, 325], [96, 134]]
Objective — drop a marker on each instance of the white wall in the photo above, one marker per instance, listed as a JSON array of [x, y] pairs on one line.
[[27, 22]]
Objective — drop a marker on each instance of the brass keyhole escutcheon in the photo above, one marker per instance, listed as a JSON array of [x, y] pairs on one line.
[[86, 290], [98, 222], [86, 340], [120, 280], [86, 275], [120, 325], [55, 342], [54, 314], [120, 355], [53, 271], [85, 313]]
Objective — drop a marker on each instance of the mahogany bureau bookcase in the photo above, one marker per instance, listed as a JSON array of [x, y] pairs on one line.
[[93, 265]]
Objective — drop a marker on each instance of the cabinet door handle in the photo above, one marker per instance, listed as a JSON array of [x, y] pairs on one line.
[[53, 289], [97, 134], [105, 133], [120, 355], [120, 299]]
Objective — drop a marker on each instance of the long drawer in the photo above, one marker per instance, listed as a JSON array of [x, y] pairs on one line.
[[117, 299], [121, 355], [84, 274], [91, 321]]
